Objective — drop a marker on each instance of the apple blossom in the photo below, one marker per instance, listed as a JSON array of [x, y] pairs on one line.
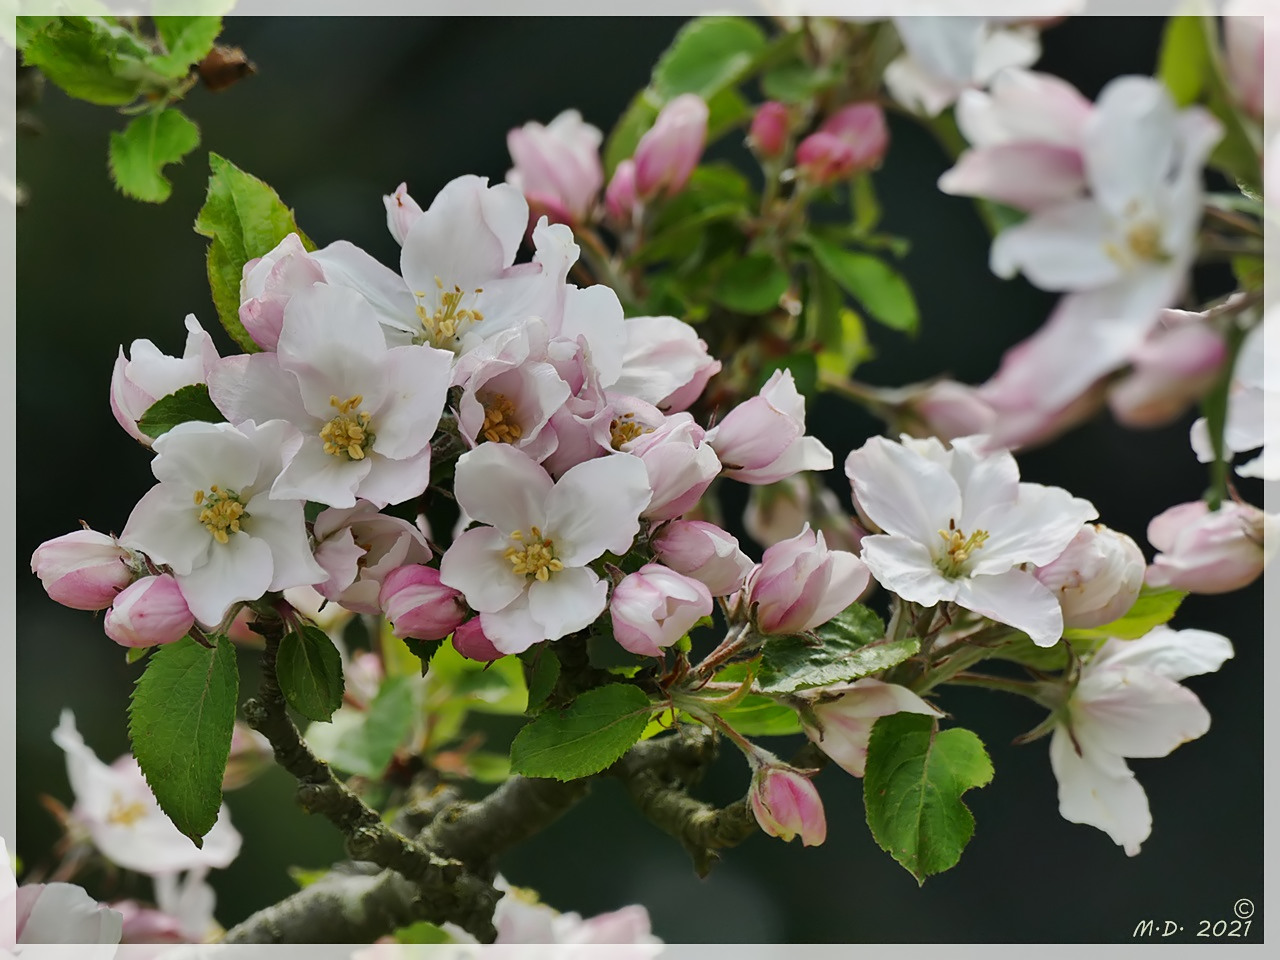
[[469, 640], [763, 441], [850, 141], [51, 913], [84, 569], [769, 129], [620, 197], [149, 612], [117, 809], [679, 461], [1177, 364], [665, 363], [846, 713], [704, 552], [799, 584], [557, 167], [146, 375], [670, 149], [785, 803], [526, 569], [358, 546], [402, 211], [654, 607], [1128, 703], [941, 408], [1096, 578], [1210, 551], [418, 605], [959, 526], [779, 511], [183, 913], [366, 412], [1253, 410]]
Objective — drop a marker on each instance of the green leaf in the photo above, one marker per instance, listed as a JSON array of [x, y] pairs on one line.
[[707, 55], [631, 126], [585, 737], [424, 650], [881, 290], [183, 405], [543, 672], [186, 40], [309, 669], [181, 714], [849, 646], [1153, 608], [90, 59], [757, 716], [795, 81], [486, 767], [726, 110], [1184, 59], [148, 144], [363, 743], [28, 27], [605, 653], [753, 284], [422, 932], [496, 687], [245, 219], [914, 781], [803, 367], [843, 352]]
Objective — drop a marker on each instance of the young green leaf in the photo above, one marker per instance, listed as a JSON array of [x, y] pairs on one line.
[[542, 670], [914, 782], [1184, 61], [1152, 608], [186, 41], [245, 219], [184, 404], [880, 289], [90, 59], [585, 737], [708, 55], [27, 27], [148, 144], [753, 284], [181, 715], [310, 672], [757, 716], [849, 646], [363, 743]]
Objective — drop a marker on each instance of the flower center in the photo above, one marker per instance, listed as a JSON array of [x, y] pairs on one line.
[[125, 814], [1142, 244], [443, 326], [624, 429], [347, 434], [958, 549], [533, 556], [220, 512], [500, 424]]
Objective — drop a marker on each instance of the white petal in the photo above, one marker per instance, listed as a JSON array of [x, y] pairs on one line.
[[848, 578], [847, 722], [596, 507], [1173, 654], [347, 265], [239, 569], [165, 526], [512, 629], [255, 387], [1101, 794], [901, 491], [315, 475], [1129, 141], [905, 567], [1134, 713], [282, 525], [1058, 248], [395, 481], [596, 314], [1016, 598], [197, 455], [987, 480], [467, 236], [567, 601], [65, 913], [1034, 529], [475, 565], [499, 485], [417, 378]]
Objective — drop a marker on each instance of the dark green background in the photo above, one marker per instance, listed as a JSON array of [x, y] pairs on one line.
[[343, 110]]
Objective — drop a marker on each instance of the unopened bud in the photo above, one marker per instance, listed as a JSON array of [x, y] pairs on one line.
[[84, 570], [149, 612]]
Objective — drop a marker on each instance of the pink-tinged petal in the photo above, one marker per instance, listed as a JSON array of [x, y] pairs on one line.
[[1129, 141], [905, 567], [239, 569], [164, 525], [1028, 176], [1036, 528], [567, 601], [1099, 793], [57, 913], [332, 342], [1134, 713], [901, 491], [1172, 654], [340, 557], [1060, 248], [282, 524], [595, 314], [395, 481], [128, 401], [512, 629], [315, 475], [596, 507], [254, 387], [417, 378], [1016, 598], [1024, 107], [276, 443], [803, 453], [196, 455], [988, 479], [848, 579], [847, 721], [475, 565], [346, 265], [499, 485]]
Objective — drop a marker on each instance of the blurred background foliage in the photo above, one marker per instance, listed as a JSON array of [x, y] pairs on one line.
[[341, 111]]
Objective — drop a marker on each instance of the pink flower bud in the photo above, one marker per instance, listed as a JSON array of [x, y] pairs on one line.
[[849, 142], [470, 641], [1206, 551], [149, 612], [769, 128], [1243, 39], [620, 197], [668, 152], [84, 570], [847, 712], [1175, 366], [557, 167], [143, 924], [947, 409], [799, 584], [655, 607], [402, 212], [762, 441], [1097, 578], [680, 464], [703, 551], [146, 375], [786, 804], [269, 282], [419, 605]]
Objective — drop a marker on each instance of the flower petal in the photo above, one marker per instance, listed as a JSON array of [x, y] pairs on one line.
[[417, 378], [239, 569], [1168, 653], [902, 491], [165, 526], [567, 601], [1134, 713], [395, 481], [475, 565], [282, 524], [255, 387], [315, 475], [1036, 528], [596, 507], [512, 629], [1016, 598], [1062, 247], [197, 455], [905, 567], [1099, 793], [499, 485]]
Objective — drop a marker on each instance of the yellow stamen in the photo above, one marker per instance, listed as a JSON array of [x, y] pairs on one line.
[[125, 814], [959, 549], [535, 559], [624, 429], [220, 513], [500, 424], [443, 326], [347, 435]]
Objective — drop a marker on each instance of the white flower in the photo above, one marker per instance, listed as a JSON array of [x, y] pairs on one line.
[[1253, 410], [358, 546], [526, 572], [52, 913], [116, 807], [366, 412], [958, 526], [146, 375], [211, 518], [1129, 703]]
